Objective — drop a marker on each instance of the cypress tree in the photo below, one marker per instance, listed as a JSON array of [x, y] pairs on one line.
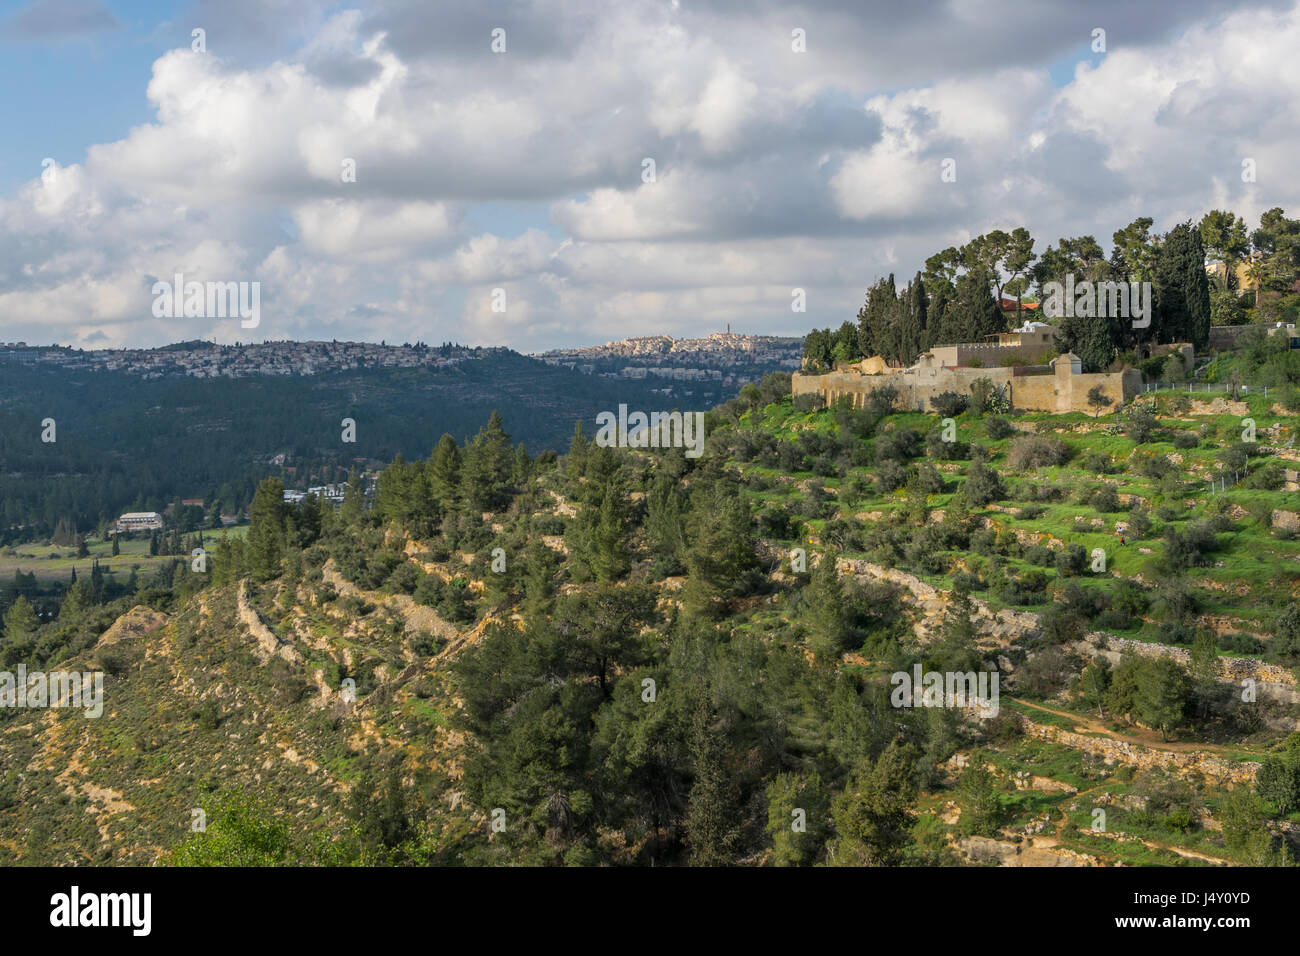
[[974, 312], [912, 322], [878, 320], [713, 811], [936, 313], [1182, 289]]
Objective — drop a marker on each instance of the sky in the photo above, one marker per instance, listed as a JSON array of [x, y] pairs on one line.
[[554, 174]]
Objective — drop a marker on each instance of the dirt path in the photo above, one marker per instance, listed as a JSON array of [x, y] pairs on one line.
[[1143, 738]]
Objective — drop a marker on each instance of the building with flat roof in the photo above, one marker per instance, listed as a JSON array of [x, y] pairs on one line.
[[138, 521]]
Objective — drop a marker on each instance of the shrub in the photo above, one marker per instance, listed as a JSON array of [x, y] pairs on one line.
[[1071, 559], [890, 475], [809, 402], [1037, 451], [1113, 619], [1156, 466], [1142, 424], [984, 541], [1040, 555], [940, 450], [949, 404], [1106, 499], [987, 397], [929, 480], [1236, 455], [405, 577], [983, 485], [998, 427], [882, 401], [1186, 439], [1239, 643], [1139, 523], [1188, 549], [898, 445], [1097, 463], [1029, 588]]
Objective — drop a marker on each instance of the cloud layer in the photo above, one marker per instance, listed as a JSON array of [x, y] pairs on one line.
[[631, 168]]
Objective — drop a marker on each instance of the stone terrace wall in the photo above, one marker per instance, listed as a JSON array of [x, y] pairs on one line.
[[1121, 751], [1029, 392], [1225, 336]]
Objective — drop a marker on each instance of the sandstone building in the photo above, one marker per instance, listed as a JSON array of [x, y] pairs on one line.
[[1061, 386], [1032, 342]]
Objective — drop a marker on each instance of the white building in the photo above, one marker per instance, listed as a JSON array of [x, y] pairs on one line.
[[139, 521]]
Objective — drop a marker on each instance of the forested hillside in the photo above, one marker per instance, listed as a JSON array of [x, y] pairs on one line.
[[124, 443], [629, 657]]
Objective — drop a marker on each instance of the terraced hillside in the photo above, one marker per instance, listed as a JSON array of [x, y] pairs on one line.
[[631, 657]]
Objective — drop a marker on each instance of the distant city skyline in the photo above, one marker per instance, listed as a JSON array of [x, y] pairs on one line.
[[558, 175]]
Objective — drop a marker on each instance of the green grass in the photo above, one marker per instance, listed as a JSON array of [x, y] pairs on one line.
[[54, 562]]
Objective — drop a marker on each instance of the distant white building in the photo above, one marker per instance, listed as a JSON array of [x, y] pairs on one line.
[[139, 521]]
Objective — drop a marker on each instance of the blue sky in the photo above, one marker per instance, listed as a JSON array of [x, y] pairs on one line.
[[65, 93], [776, 169]]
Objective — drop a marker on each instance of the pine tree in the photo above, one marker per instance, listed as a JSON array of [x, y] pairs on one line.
[[443, 472], [354, 499], [398, 491], [486, 468], [609, 557], [796, 798], [978, 796], [721, 557], [20, 621], [266, 529], [1094, 682], [665, 525], [824, 600], [956, 649], [576, 462], [522, 467], [1204, 670], [540, 565], [1161, 694], [871, 813]]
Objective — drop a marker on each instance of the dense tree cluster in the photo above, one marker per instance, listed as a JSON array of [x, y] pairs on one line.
[[960, 295]]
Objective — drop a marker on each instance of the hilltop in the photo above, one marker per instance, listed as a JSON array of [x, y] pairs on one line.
[[133, 440], [714, 366]]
